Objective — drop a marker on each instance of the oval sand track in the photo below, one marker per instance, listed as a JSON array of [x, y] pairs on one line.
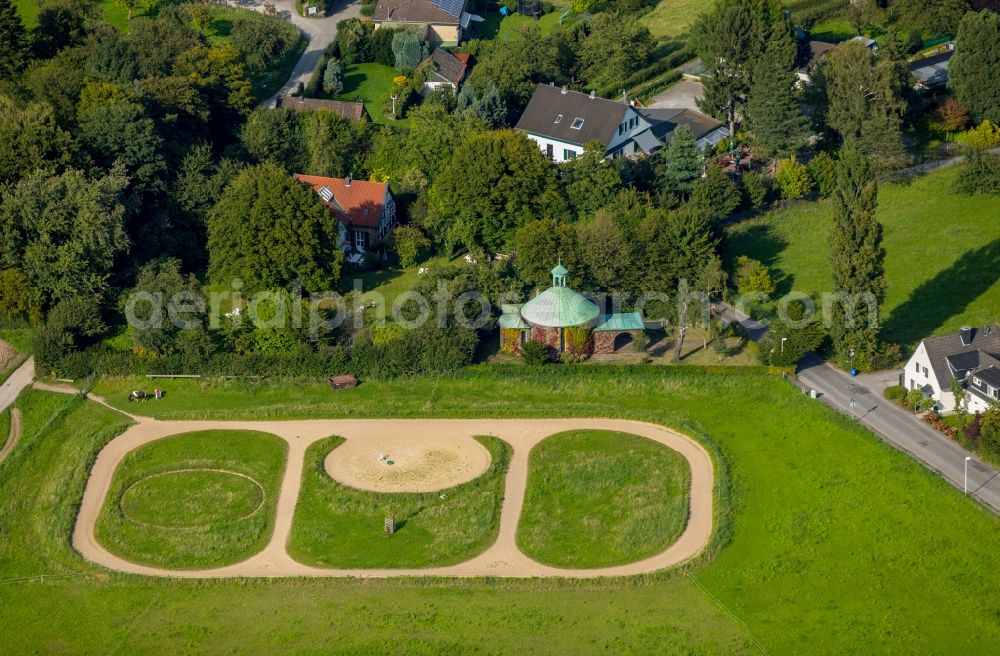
[[502, 559]]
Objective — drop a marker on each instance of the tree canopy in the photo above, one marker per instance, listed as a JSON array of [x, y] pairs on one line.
[[269, 230]]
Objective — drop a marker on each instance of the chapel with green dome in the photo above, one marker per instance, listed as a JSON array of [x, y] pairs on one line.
[[566, 321]]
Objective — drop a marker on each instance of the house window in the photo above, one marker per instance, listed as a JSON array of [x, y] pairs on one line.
[[621, 128], [365, 211], [577, 123], [360, 237], [569, 154], [558, 118], [548, 151], [925, 372]]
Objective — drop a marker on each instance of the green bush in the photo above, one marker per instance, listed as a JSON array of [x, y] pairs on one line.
[[792, 178], [535, 354], [823, 170], [756, 187], [979, 175], [895, 393]]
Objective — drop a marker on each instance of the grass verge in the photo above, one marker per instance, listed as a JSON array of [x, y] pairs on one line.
[[602, 498], [339, 526], [194, 500]]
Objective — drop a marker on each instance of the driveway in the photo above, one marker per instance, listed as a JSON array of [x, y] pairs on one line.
[[319, 31], [683, 94]]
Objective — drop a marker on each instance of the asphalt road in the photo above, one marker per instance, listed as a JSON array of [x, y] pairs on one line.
[[319, 31]]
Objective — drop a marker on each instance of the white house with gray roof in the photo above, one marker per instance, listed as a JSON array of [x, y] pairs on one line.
[[972, 355], [562, 122]]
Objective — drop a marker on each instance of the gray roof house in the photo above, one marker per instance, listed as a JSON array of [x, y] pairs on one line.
[[931, 72], [972, 355], [445, 68], [562, 122]]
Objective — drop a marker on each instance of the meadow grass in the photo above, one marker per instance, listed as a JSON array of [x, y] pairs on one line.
[[370, 83], [4, 426], [158, 513], [339, 526], [389, 283], [20, 339], [602, 498], [826, 540], [942, 254]]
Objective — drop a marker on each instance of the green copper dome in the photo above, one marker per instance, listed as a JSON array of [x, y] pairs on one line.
[[559, 306]]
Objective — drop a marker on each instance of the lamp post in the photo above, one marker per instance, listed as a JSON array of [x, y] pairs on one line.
[[783, 340], [967, 459], [851, 355]]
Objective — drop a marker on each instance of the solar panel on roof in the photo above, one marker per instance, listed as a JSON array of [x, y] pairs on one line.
[[453, 7]]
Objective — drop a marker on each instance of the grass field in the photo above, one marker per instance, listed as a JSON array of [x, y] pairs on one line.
[[601, 498], [511, 27], [827, 540], [195, 500], [942, 254], [20, 340], [4, 426], [112, 11], [390, 283], [371, 84], [338, 526]]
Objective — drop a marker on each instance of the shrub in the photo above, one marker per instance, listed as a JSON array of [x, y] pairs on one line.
[[823, 171], [792, 178], [717, 192], [916, 400], [408, 49], [263, 40], [979, 175], [408, 242], [535, 354], [752, 276], [983, 137], [895, 393], [578, 340], [757, 188], [333, 78]]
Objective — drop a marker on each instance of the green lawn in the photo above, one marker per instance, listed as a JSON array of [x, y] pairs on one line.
[[390, 283], [827, 541], [20, 339], [942, 254], [112, 11], [4, 426], [511, 27], [371, 84], [601, 498], [169, 506], [338, 526]]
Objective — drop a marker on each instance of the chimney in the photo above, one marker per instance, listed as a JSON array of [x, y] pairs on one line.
[[593, 94], [564, 90], [347, 180], [966, 333]]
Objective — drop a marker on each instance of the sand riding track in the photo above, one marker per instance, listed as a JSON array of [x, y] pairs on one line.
[[502, 559]]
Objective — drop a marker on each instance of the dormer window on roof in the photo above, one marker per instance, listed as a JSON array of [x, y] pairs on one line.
[[577, 123], [559, 118], [325, 193]]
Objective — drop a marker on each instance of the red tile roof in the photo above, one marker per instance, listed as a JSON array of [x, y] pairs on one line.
[[359, 203]]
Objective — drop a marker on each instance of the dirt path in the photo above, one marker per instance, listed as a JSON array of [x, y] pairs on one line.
[[502, 559], [14, 435], [17, 381]]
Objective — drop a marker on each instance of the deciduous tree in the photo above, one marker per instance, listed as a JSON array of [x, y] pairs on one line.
[[270, 230]]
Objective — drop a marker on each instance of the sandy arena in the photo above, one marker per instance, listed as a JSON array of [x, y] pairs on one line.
[[443, 450], [393, 462]]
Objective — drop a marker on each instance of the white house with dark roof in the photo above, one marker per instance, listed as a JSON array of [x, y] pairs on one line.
[[438, 21], [562, 122], [972, 355]]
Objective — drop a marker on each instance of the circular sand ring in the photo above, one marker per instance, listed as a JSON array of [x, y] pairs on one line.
[[260, 503], [424, 464]]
